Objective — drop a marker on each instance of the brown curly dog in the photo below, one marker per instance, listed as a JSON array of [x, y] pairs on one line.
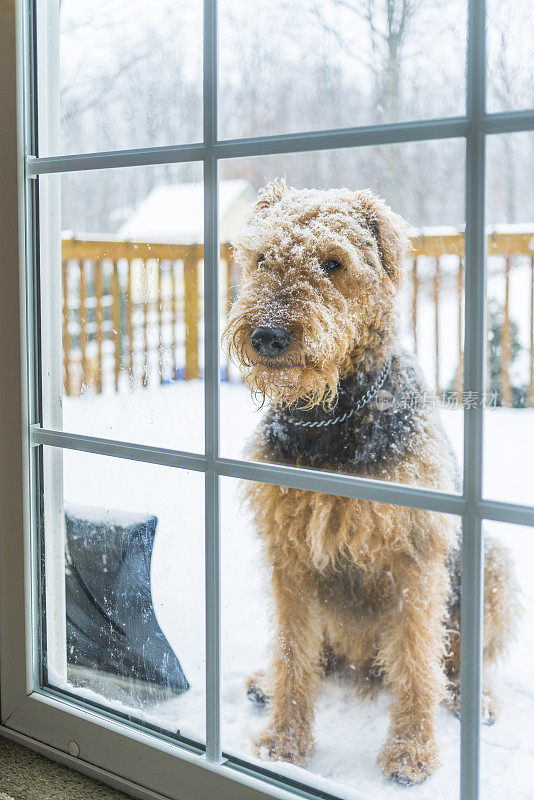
[[355, 583]]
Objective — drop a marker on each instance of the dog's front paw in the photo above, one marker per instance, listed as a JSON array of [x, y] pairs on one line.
[[408, 760], [294, 747]]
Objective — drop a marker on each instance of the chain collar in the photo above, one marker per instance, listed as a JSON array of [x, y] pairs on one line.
[[363, 401]]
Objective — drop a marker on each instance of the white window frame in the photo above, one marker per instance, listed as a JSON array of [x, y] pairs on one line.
[[125, 755]]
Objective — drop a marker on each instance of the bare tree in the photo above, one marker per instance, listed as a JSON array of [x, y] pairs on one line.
[[385, 25], [285, 66]]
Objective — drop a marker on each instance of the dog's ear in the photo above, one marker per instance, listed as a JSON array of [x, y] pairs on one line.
[[270, 194], [390, 230]]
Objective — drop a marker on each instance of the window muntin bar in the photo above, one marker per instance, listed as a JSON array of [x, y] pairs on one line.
[[112, 447], [346, 486], [286, 143], [507, 122], [139, 157], [211, 387], [472, 553], [505, 512]]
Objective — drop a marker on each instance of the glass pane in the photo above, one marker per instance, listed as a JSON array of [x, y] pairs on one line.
[[343, 635], [359, 310], [507, 760], [122, 304], [123, 559], [509, 416], [286, 67], [510, 59], [119, 74]]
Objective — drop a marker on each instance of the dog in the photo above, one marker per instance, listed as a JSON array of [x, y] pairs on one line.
[[360, 584]]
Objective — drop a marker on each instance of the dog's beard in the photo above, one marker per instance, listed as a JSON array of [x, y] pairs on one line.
[[302, 386], [305, 377]]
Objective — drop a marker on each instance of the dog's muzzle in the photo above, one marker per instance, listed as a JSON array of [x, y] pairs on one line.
[[270, 342]]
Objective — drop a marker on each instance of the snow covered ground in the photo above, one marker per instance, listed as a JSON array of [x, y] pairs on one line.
[[349, 731]]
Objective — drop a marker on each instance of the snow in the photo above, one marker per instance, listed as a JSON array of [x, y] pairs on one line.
[[104, 516], [175, 213], [452, 230], [349, 731]]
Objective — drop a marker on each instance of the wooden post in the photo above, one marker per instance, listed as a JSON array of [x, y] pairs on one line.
[[415, 291], [436, 281], [130, 325], [66, 332], [506, 339], [225, 259], [487, 376], [145, 327], [530, 396], [226, 256], [191, 314], [173, 318], [117, 337], [160, 322], [460, 295], [233, 276], [99, 319], [83, 328]]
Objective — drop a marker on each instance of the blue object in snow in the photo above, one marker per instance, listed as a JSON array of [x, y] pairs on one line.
[[111, 624]]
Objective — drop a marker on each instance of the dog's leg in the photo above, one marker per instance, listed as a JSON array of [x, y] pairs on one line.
[[490, 704], [295, 669], [258, 686], [411, 654], [502, 611]]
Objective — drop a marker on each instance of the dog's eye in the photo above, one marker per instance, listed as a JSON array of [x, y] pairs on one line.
[[261, 259], [331, 266]]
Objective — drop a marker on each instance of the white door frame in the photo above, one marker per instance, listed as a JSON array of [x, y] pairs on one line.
[[121, 753]]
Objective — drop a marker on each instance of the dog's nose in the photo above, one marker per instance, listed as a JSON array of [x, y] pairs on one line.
[[269, 341]]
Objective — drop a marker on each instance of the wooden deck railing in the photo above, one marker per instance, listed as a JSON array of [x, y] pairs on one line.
[[502, 246], [132, 310]]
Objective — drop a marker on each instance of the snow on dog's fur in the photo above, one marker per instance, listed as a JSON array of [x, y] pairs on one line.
[[356, 583]]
